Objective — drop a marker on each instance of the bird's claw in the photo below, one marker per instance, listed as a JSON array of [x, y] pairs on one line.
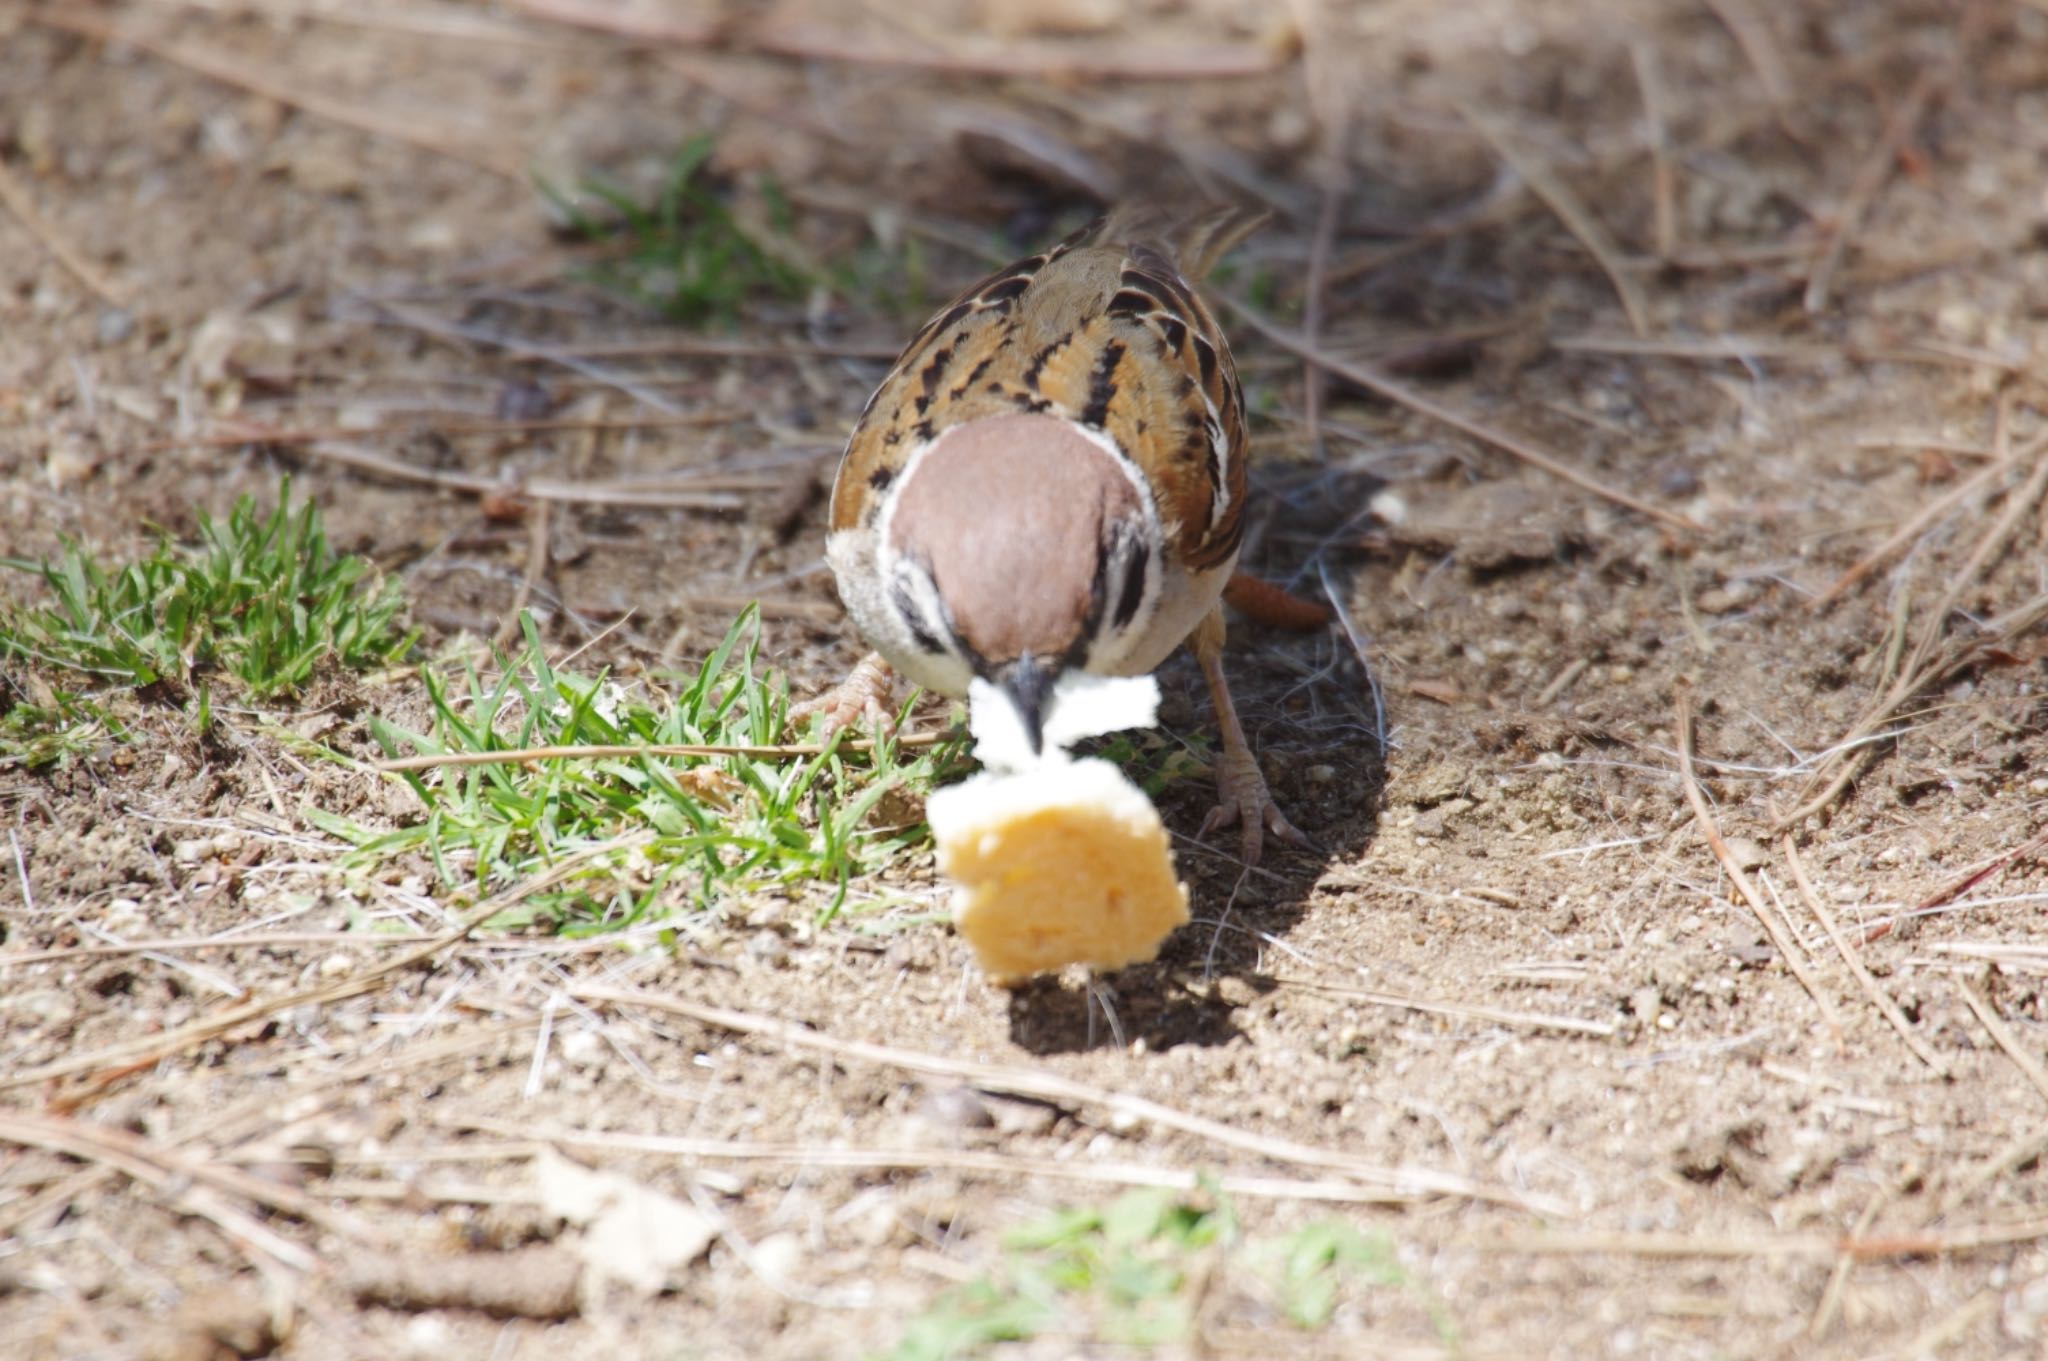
[[862, 698], [1243, 801]]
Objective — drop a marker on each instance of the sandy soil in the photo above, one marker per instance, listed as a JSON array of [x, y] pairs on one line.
[[1515, 1014]]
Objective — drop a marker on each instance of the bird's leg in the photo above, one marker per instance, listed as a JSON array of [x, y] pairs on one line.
[[1241, 795], [863, 695]]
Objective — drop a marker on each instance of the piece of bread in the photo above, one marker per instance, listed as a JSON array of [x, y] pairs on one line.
[[1063, 863]]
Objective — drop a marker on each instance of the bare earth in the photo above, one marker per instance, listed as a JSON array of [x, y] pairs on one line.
[[1515, 1015]]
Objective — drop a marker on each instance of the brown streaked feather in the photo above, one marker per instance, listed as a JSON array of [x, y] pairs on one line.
[[1104, 329]]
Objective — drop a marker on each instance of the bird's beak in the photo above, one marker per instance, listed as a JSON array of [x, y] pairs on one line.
[[1028, 682]]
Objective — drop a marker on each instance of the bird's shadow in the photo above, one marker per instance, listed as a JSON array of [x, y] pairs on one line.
[[1309, 707]]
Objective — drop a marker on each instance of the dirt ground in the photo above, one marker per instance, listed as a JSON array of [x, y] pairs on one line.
[[1515, 1014]]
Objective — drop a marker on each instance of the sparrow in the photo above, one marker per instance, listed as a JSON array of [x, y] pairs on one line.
[[1052, 480]]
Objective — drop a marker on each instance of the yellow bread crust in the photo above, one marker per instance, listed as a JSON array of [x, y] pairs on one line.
[[1067, 864]]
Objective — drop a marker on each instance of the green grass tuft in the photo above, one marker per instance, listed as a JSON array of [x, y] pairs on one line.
[[1132, 1274], [260, 598], [685, 254], [712, 827], [54, 731]]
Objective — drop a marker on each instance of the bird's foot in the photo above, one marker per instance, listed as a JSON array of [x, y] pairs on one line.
[[861, 698], [1243, 801]]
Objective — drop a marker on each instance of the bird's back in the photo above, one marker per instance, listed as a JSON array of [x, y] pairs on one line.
[[1105, 330]]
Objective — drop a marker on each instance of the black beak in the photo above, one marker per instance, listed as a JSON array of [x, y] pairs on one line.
[[1028, 682]]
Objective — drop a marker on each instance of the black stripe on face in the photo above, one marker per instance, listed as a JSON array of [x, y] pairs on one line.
[[1102, 385], [1133, 594], [906, 610]]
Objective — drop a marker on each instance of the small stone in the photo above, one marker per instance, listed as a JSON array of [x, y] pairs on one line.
[[955, 1108], [767, 947], [1747, 853], [124, 917], [115, 325], [337, 966]]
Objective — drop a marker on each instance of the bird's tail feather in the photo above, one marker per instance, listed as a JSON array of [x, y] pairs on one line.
[[1195, 241]]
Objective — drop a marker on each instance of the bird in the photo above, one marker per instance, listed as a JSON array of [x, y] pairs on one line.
[[1050, 480]]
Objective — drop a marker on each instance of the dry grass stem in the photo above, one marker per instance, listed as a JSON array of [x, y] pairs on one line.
[[1979, 874], [249, 1235], [234, 433], [1314, 298], [2025, 1147], [116, 1061], [1872, 989], [1994, 1024], [798, 41], [1906, 533], [1373, 380], [1760, 49], [1046, 1086], [1663, 172], [589, 493], [1679, 1244], [1838, 1278], [1743, 348], [1576, 217], [518, 755], [1736, 875], [287, 90], [536, 568], [1854, 752], [1528, 1020], [15, 198], [127, 1151], [1870, 179], [413, 18], [812, 1156]]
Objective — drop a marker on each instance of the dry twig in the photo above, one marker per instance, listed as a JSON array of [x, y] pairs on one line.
[[983, 1161], [1663, 173], [290, 92], [1879, 998], [1046, 1086], [1528, 1020], [1760, 50], [1373, 380], [2001, 1033], [1674, 1244], [1736, 875], [14, 197], [520, 755], [1870, 179], [1007, 59], [1577, 218], [130, 1056], [1853, 754]]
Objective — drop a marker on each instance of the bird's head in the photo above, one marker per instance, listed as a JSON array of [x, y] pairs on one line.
[[1026, 547]]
